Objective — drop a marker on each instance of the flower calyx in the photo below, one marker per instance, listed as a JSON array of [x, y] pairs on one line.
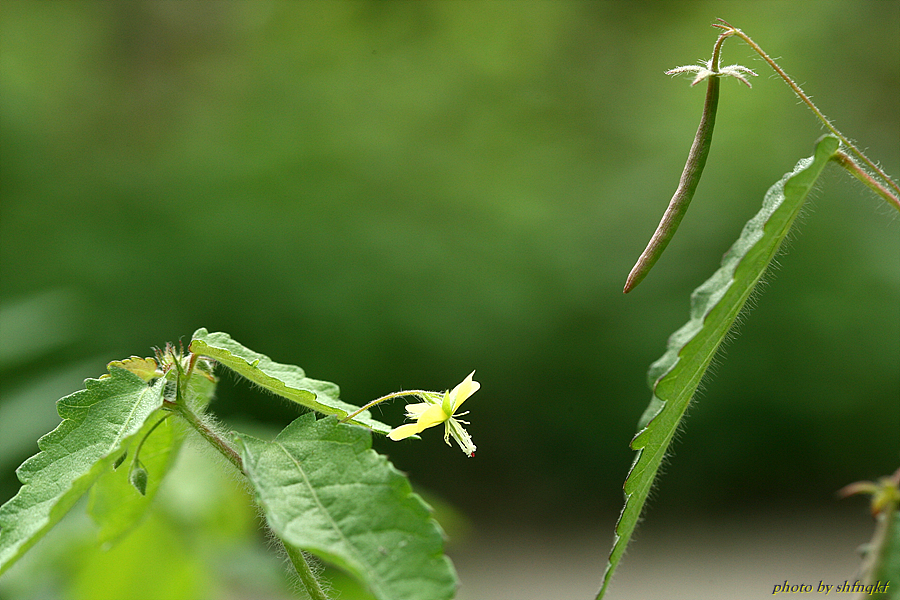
[[705, 70]]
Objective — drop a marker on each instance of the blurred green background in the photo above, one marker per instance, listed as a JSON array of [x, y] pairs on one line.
[[391, 194]]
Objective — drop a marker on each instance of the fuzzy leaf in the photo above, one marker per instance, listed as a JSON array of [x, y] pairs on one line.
[[714, 307], [115, 504], [98, 424], [324, 490], [287, 381]]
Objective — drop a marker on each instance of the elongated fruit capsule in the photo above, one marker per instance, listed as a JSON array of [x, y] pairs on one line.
[[690, 177]]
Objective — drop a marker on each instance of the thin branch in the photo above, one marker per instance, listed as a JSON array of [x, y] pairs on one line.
[[731, 30], [208, 434], [846, 161], [390, 396]]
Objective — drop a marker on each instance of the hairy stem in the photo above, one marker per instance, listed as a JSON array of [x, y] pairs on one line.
[[390, 396], [180, 406], [846, 161], [308, 579], [208, 434], [877, 552], [731, 30]]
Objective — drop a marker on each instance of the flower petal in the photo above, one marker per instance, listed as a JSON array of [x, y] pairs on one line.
[[462, 391], [415, 410], [432, 416], [686, 69], [738, 72], [404, 431]]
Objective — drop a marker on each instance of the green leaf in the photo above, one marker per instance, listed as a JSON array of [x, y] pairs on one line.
[[714, 307], [324, 490], [887, 564], [287, 381], [98, 425], [115, 504]]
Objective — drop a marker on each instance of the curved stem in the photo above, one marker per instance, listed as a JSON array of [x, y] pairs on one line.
[[390, 396], [308, 580], [731, 30], [137, 450], [180, 406], [885, 503]]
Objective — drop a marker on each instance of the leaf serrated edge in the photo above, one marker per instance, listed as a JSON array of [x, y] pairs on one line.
[[55, 507], [704, 300], [322, 396], [360, 567]]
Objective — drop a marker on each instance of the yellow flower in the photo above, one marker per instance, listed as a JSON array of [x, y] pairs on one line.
[[436, 410]]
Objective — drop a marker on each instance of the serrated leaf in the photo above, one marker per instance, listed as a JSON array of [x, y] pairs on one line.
[[115, 504], [324, 490], [714, 307], [287, 381], [98, 425]]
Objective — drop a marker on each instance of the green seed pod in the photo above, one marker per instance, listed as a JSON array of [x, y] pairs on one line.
[[690, 177]]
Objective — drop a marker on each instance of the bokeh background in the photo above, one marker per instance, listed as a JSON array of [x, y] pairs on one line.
[[391, 194]]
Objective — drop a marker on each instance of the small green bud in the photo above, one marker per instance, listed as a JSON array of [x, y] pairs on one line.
[[120, 460], [138, 478]]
